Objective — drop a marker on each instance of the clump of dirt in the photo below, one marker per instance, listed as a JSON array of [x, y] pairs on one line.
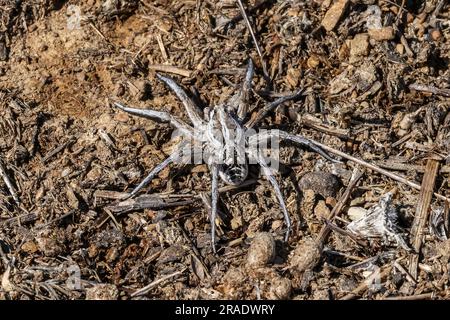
[[375, 85]]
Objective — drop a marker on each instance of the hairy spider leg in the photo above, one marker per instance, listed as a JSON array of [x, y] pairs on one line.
[[244, 93], [191, 109], [306, 142], [159, 116], [214, 200], [269, 107], [268, 174], [170, 159], [283, 135]]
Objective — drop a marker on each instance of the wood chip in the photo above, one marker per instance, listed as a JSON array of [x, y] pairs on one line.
[[334, 14], [422, 212]]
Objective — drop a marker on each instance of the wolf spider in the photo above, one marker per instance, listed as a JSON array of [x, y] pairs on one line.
[[225, 140]]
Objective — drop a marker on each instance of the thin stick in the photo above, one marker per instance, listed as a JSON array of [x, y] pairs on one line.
[[195, 253], [422, 296], [98, 31], [405, 272], [238, 17], [57, 150], [162, 48], [116, 195], [375, 168], [153, 284], [250, 29], [422, 212], [170, 69], [325, 231], [68, 214], [430, 89], [341, 133], [8, 183], [358, 291]]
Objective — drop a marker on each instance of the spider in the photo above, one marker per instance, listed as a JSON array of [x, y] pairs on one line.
[[226, 140]]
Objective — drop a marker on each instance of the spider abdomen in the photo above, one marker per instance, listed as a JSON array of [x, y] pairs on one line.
[[233, 174]]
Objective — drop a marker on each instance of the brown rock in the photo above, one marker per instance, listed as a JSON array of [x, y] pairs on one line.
[[436, 34], [400, 48], [321, 211], [121, 117], [313, 62], [30, 247], [334, 14], [323, 183], [262, 250], [305, 256], [382, 34], [359, 47]]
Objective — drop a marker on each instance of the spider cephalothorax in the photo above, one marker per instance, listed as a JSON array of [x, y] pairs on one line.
[[223, 139]]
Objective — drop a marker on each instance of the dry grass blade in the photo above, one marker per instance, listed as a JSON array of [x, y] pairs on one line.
[[170, 69], [8, 183], [250, 29], [150, 286], [422, 212], [376, 276], [324, 232]]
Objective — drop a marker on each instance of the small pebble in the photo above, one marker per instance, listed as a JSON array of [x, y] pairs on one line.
[[436, 34], [334, 14], [323, 183], [400, 48], [354, 213], [321, 211], [262, 250], [359, 47], [382, 34], [30, 247], [313, 62]]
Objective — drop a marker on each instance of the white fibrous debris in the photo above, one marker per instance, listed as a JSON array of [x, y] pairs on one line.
[[437, 223], [380, 221], [373, 20]]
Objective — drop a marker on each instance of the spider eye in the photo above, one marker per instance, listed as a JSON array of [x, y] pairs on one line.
[[233, 174]]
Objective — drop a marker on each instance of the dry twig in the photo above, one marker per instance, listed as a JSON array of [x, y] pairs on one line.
[[8, 183], [376, 168], [422, 212], [153, 284], [324, 232]]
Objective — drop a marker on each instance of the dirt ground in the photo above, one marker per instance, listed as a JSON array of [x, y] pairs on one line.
[[376, 86]]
